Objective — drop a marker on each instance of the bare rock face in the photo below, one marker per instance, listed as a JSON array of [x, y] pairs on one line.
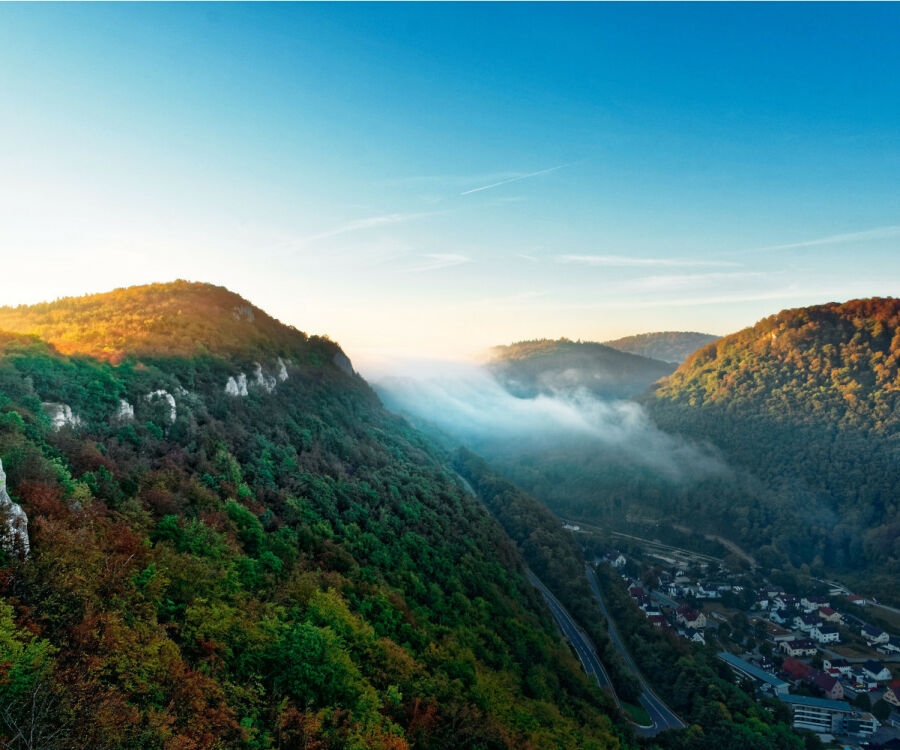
[[125, 412], [237, 386], [61, 415], [168, 398], [343, 363], [13, 521], [261, 380], [282, 370]]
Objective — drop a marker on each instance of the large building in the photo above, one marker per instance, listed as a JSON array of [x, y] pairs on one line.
[[777, 686], [829, 717]]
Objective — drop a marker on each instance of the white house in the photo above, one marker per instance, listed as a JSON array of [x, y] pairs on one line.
[[874, 635], [825, 634], [876, 671]]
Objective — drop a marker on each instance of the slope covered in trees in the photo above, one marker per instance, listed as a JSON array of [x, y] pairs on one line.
[[808, 402], [668, 346], [233, 545], [529, 368]]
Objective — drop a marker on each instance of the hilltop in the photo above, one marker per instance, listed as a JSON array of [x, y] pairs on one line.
[[527, 368], [668, 346], [231, 544], [808, 402]]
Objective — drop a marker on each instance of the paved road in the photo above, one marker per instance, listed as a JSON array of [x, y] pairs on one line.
[[662, 716], [581, 642]]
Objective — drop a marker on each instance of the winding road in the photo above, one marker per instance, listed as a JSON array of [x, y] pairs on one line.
[[662, 716]]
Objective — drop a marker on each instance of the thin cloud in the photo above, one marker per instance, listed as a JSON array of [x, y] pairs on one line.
[[371, 222], [437, 261], [683, 281], [879, 233], [514, 178], [626, 261]]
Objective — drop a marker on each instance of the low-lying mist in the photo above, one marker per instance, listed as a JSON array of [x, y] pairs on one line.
[[467, 404]]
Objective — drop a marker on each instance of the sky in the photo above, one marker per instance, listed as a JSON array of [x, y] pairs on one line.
[[426, 181]]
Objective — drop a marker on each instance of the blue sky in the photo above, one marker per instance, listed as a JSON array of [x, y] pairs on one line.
[[429, 180]]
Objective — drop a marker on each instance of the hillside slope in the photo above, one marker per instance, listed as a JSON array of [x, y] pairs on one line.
[[233, 545], [667, 346], [528, 368], [807, 400]]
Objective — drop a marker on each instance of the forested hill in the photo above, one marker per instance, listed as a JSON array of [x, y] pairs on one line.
[[233, 545], [668, 346], [528, 368], [808, 400]]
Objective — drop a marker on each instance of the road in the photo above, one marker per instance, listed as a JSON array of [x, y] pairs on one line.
[[581, 642], [662, 716]]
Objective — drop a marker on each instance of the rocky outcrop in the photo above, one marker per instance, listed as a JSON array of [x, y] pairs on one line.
[[61, 415], [125, 412], [238, 385], [168, 398], [13, 521], [343, 363]]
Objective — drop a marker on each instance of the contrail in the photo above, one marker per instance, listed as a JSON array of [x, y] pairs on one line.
[[513, 179]]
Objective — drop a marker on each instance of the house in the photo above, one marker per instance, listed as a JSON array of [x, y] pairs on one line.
[[825, 634], [615, 558], [812, 603], [783, 601], [859, 601], [829, 615], [658, 621], [761, 600], [892, 695], [799, 647], [874, 635], [830, 686], [875, 670], [796, 670], [806, 622], [636, 591], [697, 637], [775, 617], [836, 666], [690, 617]]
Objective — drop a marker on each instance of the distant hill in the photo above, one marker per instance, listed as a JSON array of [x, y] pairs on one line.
[[668, 346], [528, 368], [808, 401], [232, 544]]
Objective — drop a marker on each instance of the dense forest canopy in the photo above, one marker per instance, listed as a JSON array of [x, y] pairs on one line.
[[529, 368], [281, 565], [668, 346], [808, 402]]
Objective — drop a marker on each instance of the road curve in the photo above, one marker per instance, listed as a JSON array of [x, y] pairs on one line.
[[663, 717], [581, 642]]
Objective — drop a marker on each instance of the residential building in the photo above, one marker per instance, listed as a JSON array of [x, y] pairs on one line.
[[892, 696], [812, 603], [836, 666], [806, 622], [874, 635], [691, 618], [829, 615], [825, 634], [830, 686], [796, 670], [799, 647], [875, 670]]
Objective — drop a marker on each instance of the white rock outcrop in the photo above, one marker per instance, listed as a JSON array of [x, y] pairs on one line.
[[168, 398], [261, 380], [237, 386], [61, 415], [282, 370], [15, 533], [125, 412]]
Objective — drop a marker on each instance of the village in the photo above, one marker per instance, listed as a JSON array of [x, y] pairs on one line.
[[828, 654]]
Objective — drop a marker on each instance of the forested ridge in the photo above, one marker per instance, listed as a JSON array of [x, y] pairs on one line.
[[668, 346], [529, 368], [285, 565], [808, 402]]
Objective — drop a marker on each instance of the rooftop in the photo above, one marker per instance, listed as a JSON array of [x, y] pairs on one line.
[[805, 700], [752, 670]]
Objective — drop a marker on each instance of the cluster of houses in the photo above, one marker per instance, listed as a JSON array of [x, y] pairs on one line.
[[814, 617], [689, 623]]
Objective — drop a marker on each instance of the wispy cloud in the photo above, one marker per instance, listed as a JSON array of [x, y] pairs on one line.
[[626, 261], [371, 222], [513, 178], [879, 233], [682, 281], [437, 261]]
